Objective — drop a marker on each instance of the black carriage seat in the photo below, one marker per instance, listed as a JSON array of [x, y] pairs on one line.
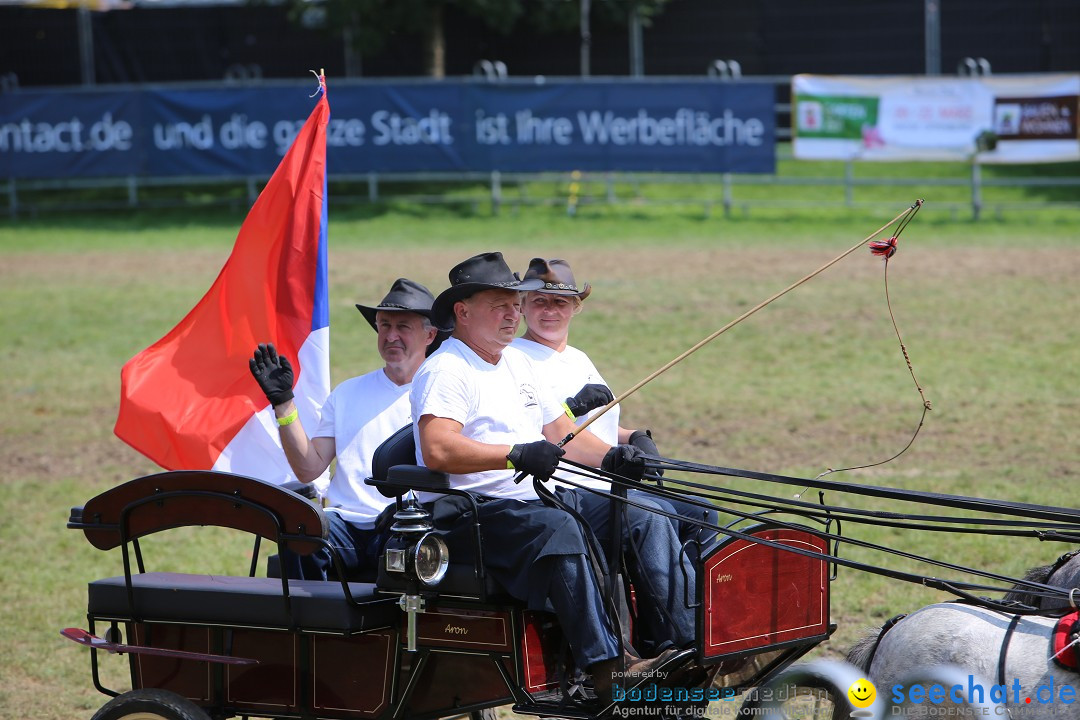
[[122, 515], [395, 472], [315, 605]]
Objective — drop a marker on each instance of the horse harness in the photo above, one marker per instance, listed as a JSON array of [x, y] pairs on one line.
[[877, 642], [1063, 641]]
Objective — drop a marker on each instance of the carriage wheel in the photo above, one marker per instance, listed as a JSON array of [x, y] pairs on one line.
[[802, 702], [804, 692], [485, 714], [150, 704]]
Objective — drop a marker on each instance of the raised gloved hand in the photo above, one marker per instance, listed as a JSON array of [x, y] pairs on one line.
[[642, 439], [590, 397], [539, 458], [273, 372], [625, 460]]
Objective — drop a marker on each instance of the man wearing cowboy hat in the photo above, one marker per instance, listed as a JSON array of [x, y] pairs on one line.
[[483, 415], [548, 313], [358, 415]]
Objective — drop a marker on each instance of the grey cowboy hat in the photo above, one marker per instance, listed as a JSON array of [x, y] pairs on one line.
[[557, 276], [405, 296], [487, 271]]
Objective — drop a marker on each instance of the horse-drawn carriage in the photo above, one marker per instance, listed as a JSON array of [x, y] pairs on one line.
[[432, 637]]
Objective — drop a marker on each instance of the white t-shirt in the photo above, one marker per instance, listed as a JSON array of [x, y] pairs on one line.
[[360, 414], [505, 404], [565, 373]]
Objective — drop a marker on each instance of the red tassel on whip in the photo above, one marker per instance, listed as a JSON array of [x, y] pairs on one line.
[[884, 248]]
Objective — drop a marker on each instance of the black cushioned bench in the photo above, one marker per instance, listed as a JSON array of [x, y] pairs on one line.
[[317, 606]]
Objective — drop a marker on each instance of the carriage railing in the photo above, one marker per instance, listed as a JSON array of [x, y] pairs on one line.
[[165, 501], [1041, 522]]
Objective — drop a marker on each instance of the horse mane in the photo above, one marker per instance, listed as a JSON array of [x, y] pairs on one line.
[[1040, 574], [862, 652]]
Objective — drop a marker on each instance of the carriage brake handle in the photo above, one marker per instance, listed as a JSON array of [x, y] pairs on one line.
[[411, 604], [687, 584]]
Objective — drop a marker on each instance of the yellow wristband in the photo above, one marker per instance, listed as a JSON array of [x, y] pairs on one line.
[[572, 416], [288, 419]]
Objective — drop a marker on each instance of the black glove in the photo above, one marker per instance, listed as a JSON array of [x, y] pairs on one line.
[[539, 458], [642, 439], [590, 397], [624, 460], [273, 372]]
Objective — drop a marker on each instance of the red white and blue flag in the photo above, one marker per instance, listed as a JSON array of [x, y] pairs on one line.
[[189, 401]]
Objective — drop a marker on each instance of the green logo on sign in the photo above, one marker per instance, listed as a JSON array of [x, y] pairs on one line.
[[842, 117]]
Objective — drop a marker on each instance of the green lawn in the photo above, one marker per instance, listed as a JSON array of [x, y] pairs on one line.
[[987, 309]]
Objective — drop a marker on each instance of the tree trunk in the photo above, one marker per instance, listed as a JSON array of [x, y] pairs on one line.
[[436, 49]]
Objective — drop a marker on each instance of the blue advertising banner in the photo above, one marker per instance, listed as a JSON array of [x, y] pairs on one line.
[[691, 126]]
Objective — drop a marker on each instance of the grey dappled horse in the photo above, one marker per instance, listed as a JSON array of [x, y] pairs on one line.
[[996, 648], [1065, 573]]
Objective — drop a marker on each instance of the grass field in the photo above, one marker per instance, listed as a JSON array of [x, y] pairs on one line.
[[988, 312]]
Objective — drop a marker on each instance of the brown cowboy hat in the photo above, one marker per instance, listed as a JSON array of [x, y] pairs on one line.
[[405, 296], [487, 271], [557, 276]]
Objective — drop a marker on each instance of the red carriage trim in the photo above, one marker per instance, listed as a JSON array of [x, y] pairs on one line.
[[540, 643], [1064, 641]]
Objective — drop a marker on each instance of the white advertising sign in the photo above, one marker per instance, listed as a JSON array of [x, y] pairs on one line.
[[1002, 119]]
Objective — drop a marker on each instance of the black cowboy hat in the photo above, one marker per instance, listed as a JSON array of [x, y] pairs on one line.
[[405, 296], [557, 276], [487, 271]]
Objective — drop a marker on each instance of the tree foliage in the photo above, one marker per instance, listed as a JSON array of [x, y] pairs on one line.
[[372, 23]]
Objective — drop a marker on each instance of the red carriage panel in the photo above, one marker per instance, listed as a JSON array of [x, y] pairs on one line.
[[187, 678], [270, 685], [353, 676], [450, 680], [756, 597]]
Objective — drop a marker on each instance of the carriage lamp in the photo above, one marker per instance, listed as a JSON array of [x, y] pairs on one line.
[[416, 552], [425, 559], [430, 559]]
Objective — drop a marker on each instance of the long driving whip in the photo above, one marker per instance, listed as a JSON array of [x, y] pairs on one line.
[[655, 374]]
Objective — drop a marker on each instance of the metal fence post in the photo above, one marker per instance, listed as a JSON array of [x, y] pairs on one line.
[[373, 187], [13, 199], [849, 182], [976, 189], [133, 191], [726, 180], [496, 191], [86, 45]]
